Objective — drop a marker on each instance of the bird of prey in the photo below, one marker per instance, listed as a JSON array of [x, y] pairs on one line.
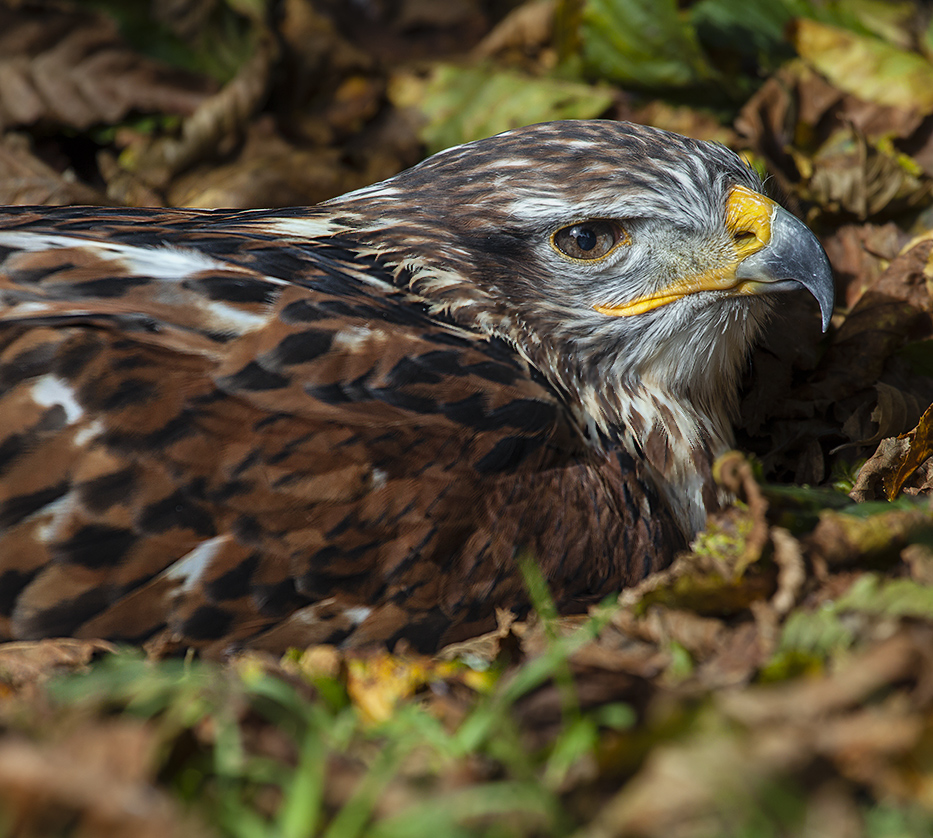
[[347, 423]]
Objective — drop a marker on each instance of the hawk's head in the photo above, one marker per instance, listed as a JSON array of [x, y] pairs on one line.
[[631, 266]]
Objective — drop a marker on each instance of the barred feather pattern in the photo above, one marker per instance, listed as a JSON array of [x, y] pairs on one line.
[[346, 423]]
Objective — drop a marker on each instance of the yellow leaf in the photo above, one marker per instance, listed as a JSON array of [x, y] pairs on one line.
[[921, 447], [866, 67]]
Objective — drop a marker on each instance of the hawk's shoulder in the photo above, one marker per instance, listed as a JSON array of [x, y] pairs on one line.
[[213, 427]]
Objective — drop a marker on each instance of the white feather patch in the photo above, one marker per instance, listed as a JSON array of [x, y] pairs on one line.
[[191, 567], [85, 435], [301, 228], [53, 516], [165, 263], [357, 614], [51, 391]]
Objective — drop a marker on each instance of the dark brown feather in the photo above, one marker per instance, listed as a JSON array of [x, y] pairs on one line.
[[344, 452], [347, 423]]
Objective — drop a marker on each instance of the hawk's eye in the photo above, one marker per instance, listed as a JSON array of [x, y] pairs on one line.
[[588, 239]]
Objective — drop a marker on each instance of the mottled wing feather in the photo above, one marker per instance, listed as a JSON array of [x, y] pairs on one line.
[[232, 439]]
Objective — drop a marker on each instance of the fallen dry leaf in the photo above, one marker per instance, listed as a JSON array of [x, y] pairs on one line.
[[217, 124], [93, 784], [859, 254], [893, 411], [67, 65], [841, 539], [889, 469], [808, 129], [708, 782], [31, 661], [25, 179], [270, 172], [871, 476], [919, 448], [866, 66], [527, 28], [850, 176]]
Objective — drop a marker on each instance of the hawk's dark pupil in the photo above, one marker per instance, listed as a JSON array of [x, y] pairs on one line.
[[585, 237]]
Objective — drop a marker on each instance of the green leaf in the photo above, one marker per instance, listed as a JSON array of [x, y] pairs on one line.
[[351, 820], [525, 801], [894, 21], [303, 798], [926, 40], [576, 740], [818, 633], [889, 820], [826, 631], [467, 103], [752, 29], [867, 67], [642, 43], [616, 716], [870, 594], [222, 44]]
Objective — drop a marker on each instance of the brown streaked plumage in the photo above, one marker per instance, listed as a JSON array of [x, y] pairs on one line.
[[344, 423]]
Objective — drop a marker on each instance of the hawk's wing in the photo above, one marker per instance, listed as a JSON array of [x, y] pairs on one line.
[[233, 438]]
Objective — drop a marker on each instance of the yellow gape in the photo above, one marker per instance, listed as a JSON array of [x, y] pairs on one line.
[[748, 220]]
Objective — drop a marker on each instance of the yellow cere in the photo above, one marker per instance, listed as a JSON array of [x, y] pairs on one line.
[[748, 220]]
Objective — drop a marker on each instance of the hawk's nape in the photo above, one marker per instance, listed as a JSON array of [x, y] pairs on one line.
[[344, 423]]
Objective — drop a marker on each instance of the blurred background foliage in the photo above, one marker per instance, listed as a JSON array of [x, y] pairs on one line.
[[96, 84]]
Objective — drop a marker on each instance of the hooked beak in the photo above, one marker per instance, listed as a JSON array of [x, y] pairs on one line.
[[773, 252]]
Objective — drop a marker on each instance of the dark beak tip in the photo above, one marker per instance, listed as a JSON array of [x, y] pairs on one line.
[[822, 287], [801, 255]]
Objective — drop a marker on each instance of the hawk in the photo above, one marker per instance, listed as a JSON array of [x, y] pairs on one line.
[[346, 423]]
